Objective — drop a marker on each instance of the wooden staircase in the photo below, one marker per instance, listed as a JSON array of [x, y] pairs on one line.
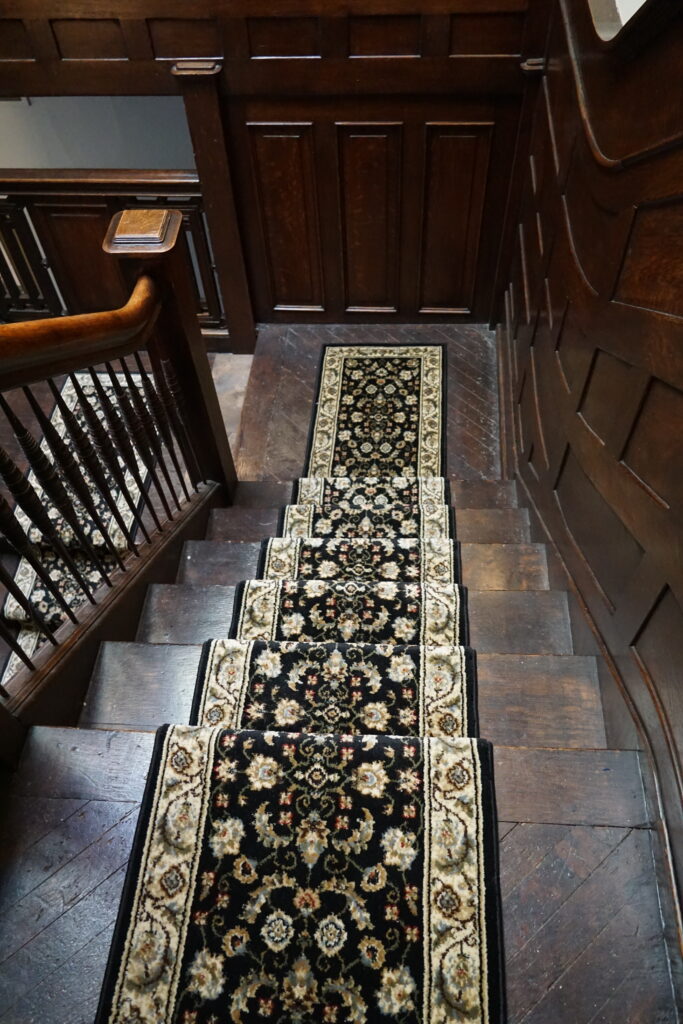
[[583, 930]]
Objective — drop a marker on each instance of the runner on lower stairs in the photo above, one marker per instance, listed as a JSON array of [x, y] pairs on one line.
[[320, 845]]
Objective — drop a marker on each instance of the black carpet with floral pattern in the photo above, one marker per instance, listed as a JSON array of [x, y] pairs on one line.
[[319, 845]]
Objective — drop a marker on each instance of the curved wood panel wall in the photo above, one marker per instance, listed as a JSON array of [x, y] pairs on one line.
[[594, 312]]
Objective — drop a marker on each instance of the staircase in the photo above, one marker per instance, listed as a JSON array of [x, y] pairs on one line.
[[580, 900]]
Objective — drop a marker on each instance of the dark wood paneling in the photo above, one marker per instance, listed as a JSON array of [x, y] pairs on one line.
[[384, 36], [89, 38], [367, 209], [455, 182], [285, 180], [486, 33], [14, 40], [594, 356], [370, 177], [652, 274], [283, 37], [67, 231], [185, 37]]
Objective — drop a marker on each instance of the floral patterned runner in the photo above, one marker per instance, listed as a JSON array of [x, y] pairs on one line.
[[360, 558], [350, 612], [379, 412], [424, 521], [344, 688], [347, 492], [306, 878]]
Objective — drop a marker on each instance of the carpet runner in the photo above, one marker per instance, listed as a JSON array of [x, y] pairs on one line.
[[359, 558], [427, 521], [350, 612], [319, 844], [345, 492], [407, 690]]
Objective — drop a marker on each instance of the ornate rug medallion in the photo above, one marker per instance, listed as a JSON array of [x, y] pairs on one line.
[[424, 521], [379, 412], [347, 492], [292, 877], [350, 612], [362, 558], [345, 688]]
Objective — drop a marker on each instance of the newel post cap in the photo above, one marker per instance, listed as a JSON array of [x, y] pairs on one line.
[[142, 233]]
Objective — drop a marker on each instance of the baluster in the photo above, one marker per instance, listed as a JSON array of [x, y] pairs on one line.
[[88, 456], [149, 423], [71, 470], [163, 422], [137, 430], [52, 485], [120, 434], [175, 404], [11, 642], [7, 580], [107, 453], [14, 533], [26, 496]]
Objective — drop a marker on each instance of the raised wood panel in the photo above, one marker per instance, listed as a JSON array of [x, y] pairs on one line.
[[652, 273], [14, 40], [604, 542], [185, 37], [283, 37], [596, 367], [285, 178], [654, 451], [609, 374], [89, 38], [68, 231], [370, 177], [486, 33], [384, 36], [456, 166]]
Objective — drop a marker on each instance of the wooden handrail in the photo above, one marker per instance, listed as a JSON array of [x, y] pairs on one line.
[[25, 180], [33, 350]]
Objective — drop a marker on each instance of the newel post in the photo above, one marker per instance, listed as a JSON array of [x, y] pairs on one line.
[[152, 242]]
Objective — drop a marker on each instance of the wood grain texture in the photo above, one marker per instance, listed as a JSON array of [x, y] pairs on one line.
[[281, 391], [185, 614], [595, 375]]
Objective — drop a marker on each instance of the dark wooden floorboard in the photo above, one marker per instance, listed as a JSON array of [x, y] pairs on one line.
[[281, 390]]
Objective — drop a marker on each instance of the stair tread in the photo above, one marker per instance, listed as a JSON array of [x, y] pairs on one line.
[[600, 787], [474, 524], [488, 566], [545, 700], [476, 493], [502, 622]]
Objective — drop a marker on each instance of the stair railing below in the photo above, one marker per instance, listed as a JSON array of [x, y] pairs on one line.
[[113, 453]]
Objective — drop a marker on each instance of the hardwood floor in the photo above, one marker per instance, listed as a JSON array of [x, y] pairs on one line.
[[582, 912], [276, 415]]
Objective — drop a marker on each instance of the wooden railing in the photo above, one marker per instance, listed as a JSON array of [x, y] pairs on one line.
[[46, 217], [113, 452]]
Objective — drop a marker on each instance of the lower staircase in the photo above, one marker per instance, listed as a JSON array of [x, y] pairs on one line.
[[579, 895], [584, 938]]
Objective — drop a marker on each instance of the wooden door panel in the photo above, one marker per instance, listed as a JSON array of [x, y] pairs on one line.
[[387, 214], [284, 175], [71, 235], [456, 158], [370, 184]]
